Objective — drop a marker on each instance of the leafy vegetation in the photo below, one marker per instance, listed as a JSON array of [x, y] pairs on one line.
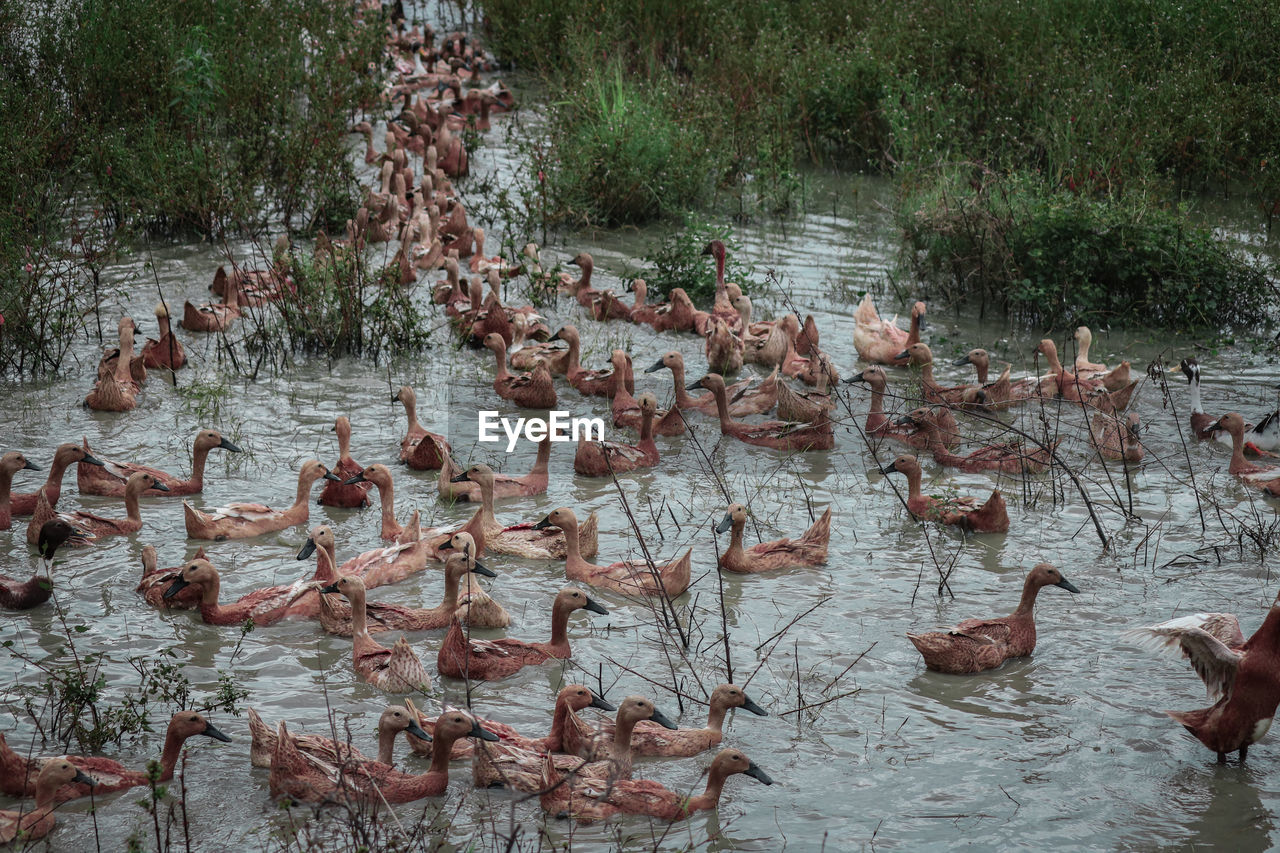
[[680, 262]]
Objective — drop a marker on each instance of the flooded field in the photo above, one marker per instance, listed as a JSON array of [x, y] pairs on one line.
[[1065, 749]]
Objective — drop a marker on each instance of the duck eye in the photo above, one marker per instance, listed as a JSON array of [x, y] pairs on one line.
[[195, 719]]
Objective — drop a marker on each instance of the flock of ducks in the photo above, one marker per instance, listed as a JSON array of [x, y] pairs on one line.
[[579, 768]]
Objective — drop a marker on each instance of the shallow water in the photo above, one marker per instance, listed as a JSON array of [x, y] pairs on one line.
[[1067, 748]]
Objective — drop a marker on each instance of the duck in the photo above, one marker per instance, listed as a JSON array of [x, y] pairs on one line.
[[651, 738], [1117, 439], [475, 607], [1260, 476], [626, 408], [723, 349], [919, 355], [807, 341], [488, 660], [411, 554], [118, 391], [264, 606], [744, 400], [454, 488], [805, 406], [1264, 435], [963, 512], [137, 368], [607, 306], [90, 526], [523, 540], [379, 475], [10, 464], [393, 720], [1243, 677], [590, 800], [880, 425], [721, 306], [883, 342], [975, 645], [212, 316], [533, 390], [382, 616], [1010, 458], [1004, 393], [591, 383], [677, 314], [341, 493], [242, 520], [64, 455], [515, 762], [605, 458], [24, 595], [609, 757], [779, 435], [420, 449], [580, 288], [19, 775], [630, 577], [395, 670], [1114, 380], [640, 312], [155, 581], [107, 477], [809, 550], [29, 826], [308, 779], [524, 354], [1092, 392], [167, 351]]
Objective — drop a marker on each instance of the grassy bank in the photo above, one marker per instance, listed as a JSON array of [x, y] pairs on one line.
[[1115, 102], [172, 118]]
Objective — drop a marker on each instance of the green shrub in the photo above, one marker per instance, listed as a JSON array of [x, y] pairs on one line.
[[679, 262], [1057, 258]]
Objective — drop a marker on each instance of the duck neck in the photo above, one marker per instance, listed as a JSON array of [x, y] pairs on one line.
[[1027, 603], [913, 334], [683, 398], [913, 484], [926, 374], [163, 322], [500, 359], [544, 457], [452, 580], [441, 750], [722, 407], [982, 368], [710, 797], [735, 543], [344, 444], [584, 280], [573, 553], [646, 430], [304, 490], [326, 569], [1197, 407], [126, 356], [715, 717], [622, 735], [411, 412], [574, 364], [559, 722], [199, 455], [53, 483], [359, 618], [387, 506], [131, 509], [6, 485], [169, 758], [877, 400], [386, 744], [1238, 462], [487, 518], [1051, 356], [560, 624]]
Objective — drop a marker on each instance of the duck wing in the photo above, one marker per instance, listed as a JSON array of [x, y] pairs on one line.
[[1210, 657], [988, 630]]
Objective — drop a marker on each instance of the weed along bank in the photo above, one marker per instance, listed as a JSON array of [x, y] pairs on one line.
[[558, 426]]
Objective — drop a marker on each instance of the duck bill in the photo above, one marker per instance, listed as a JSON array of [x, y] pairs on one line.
[[753, 770], [556, 336], [351, 481], [544, 524], [595, 607], [852, 380], [480, 569], [905, 354], [655, 368], [693, 386], [333, 587], [89, 459], [479, 731], [961, 361], [329, 475], [29, 466], [888, 469], [461, 478], [416, 730], [597, 702], [227, 445], [662, 720], [158, 486], [174, 588], [725, 523], [905, 420], [1067, 585], [307, 549], [84, 778], [210, 730], [748, 705]]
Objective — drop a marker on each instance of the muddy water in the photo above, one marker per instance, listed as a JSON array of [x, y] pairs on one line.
[[1068, 748]]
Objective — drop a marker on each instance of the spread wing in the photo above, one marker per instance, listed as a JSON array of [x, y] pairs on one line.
[[1213, 660]]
